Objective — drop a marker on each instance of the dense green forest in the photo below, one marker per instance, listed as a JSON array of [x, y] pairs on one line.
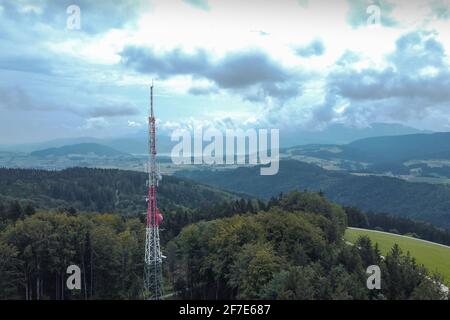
[[102, 190], [36, 251], [394, 224], [420, 201], [37, 247], [218, 245], [289, 248], [294, 250]]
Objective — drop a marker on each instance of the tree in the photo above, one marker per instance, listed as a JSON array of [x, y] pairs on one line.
[[10, 275], [369, 254], [253, 269], [14, 211], [296, 283], [29, 210], [429, 289]]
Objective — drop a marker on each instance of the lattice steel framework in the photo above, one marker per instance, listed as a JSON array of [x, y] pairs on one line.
[[153, 256]]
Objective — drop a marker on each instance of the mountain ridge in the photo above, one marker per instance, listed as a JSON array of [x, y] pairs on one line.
[[79, 149], [137, 143]]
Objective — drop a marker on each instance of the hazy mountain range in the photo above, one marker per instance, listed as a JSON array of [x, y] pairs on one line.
[[340, 134], [417, 157], [85, 149], [137, 143]]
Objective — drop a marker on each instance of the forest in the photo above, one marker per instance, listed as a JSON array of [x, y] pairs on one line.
[[288, 248], [102, 190], [419, 201], [398, 225]]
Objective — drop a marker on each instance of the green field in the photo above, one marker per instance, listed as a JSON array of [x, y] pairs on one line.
[[434, 257]]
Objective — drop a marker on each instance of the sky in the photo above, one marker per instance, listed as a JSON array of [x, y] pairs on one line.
[[229, 64]]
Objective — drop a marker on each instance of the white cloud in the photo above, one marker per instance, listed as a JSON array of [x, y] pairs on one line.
[[80, 72], [134, 124], [95, 123]]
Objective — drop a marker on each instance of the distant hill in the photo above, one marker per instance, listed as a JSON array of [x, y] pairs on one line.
[[79, 149], [103, 190], [133, 144], [420, 201], [383, 149], [402, 148], [137, 143], [415, 157], [341, 134]]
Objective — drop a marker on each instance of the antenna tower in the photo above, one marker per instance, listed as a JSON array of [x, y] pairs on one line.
[[153, 256]]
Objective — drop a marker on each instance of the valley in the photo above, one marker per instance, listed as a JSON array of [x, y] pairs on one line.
[[420, 201]]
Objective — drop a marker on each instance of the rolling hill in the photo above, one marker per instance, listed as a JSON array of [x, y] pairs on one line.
[[388, 149], [86, 149], [137, 143], [403, 148], [133, 144], [421, 201], [341, 134], [413, 157], [103, 190]]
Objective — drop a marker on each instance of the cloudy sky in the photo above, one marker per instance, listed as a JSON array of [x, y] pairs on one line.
[[274, 64]]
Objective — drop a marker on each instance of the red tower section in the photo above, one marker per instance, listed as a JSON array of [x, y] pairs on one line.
[[154, 217]]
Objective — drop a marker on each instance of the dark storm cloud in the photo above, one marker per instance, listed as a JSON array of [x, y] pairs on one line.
[[414, 83], [242, 69], [315, 48], [174, 62], [255, 76], [252, 74]]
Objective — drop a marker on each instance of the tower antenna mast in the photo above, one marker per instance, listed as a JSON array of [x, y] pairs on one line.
[[153, 256]]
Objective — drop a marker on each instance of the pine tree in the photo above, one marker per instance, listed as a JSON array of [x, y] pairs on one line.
[[14, 211]]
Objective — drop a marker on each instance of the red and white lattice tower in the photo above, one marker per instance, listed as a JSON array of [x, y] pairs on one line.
[[153, 256]]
